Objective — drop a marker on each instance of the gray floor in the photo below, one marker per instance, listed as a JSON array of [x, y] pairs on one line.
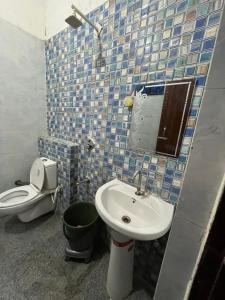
[[32, 264]]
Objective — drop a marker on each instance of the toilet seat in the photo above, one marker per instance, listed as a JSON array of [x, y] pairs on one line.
[[23, 195], [18, 196]]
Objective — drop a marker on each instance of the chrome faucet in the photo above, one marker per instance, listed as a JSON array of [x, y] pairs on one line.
[[138, 192]]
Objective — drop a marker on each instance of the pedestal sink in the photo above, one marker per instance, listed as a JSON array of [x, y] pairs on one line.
[[130, 217]]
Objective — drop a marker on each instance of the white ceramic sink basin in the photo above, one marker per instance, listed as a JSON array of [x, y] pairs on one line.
[[150, 217]]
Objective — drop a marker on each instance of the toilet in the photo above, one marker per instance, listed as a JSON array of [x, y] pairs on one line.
[[29, 202]]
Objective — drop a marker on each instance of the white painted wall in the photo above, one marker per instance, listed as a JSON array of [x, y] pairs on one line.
[[22, 102], [58, 11], [28, 15]]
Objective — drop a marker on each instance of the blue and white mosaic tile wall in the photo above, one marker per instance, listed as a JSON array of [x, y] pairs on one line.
[[66, 155], [142, 41]]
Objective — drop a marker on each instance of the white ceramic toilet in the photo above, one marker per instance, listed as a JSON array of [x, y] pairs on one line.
[[31, 201]]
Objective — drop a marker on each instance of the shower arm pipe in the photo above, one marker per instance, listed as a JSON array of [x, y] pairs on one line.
[[76, 10]]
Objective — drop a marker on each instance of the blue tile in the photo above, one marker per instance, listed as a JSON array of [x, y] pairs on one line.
[[198, 35], [160, 75], [196, 46], [178, 175], [200, 80], [214, 19], [189, 132], [144, 69], [153, 7], [175, 190], [147, 49], [117, 16], [177, 30], [173, 52], [147, 158], [173, 198], [125, 64], [201, 22], [169, 172], [120, 50], [205, 56], [181, 6], [165, 44], [190, 71], [208, 44], [153, 168], [168, 180], [194, 112], [169, 23], [171, 63], [138, 60]]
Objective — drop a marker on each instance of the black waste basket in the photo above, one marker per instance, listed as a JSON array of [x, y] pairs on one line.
[[80, 225]]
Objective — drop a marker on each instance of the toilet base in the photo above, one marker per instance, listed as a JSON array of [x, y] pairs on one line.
[[40, 208]]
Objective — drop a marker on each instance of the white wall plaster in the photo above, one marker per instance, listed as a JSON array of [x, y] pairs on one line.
[[22, 102], [28, 15]]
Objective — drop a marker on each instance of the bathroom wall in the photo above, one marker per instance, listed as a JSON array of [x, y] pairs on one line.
[[65, 153], [143, 41], [203, 187], [22, 102], [28, 15]]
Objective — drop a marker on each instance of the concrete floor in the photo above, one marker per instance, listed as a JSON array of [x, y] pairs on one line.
[[32, 264]]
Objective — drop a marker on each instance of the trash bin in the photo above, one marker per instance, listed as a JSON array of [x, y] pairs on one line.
[[80, 225]]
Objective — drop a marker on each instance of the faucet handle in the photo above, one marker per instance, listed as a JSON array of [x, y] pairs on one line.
[[135, 174]]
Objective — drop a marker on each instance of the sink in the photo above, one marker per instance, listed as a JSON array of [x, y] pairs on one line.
[[138, 217], [130, 217]]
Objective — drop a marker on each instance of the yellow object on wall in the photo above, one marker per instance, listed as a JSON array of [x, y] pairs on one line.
[[129, 101]]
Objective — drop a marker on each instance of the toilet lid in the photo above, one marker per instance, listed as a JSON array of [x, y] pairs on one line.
[[37, 174]]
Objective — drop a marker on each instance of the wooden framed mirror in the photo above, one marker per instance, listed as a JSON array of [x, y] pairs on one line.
[[159, 116]]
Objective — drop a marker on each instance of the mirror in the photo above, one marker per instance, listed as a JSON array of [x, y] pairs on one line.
[[159, 116]]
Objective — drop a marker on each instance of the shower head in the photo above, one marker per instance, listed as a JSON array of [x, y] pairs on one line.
[[73, 21]]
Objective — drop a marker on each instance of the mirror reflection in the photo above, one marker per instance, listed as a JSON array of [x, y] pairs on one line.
[[159, 116]]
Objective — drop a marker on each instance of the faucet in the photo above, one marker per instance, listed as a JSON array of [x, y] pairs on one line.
[[138, 192]]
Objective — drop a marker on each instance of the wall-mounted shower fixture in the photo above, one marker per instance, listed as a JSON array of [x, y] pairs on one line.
[[75, 22], [90, 143], [100, 60]]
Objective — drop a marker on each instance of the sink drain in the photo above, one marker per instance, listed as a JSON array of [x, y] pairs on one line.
[[126, 219]]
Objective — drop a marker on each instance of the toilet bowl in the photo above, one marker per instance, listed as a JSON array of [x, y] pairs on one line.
[[31, 201]]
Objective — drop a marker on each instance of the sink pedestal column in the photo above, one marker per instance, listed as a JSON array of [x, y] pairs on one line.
[[120, 272]]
